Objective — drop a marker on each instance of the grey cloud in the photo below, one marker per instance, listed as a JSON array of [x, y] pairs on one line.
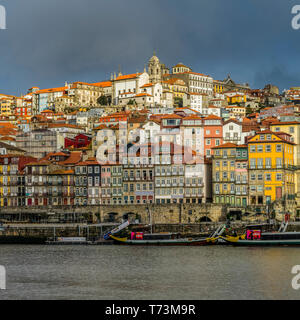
[[50, 41]]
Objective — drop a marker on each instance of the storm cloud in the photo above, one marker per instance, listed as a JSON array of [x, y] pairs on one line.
[[49, 42]]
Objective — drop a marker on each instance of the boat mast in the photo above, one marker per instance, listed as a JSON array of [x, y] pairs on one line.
[[150, 219]]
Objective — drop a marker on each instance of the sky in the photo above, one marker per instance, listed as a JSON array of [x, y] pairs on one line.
[[49, 42]]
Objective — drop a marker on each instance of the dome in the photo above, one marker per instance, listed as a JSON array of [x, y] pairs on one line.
[[154, 59]]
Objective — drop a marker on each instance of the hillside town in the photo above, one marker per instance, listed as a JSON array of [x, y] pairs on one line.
[[160, 136]]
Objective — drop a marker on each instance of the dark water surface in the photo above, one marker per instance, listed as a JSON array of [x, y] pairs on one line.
[[115, 272]]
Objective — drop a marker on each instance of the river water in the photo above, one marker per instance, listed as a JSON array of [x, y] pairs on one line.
[[117, 272]]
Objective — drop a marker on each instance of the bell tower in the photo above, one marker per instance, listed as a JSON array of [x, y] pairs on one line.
[[154, 69]]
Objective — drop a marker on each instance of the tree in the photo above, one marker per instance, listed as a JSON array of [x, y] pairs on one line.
[[178, 102], [103, 101], [131, 102], [248, 110]]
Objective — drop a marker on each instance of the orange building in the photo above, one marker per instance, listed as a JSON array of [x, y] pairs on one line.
[[213, 133]]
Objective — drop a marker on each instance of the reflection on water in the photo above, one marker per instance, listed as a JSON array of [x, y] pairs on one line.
[[114, 272]]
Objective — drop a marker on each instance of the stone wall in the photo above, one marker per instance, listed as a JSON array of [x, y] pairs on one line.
[[159, 213]]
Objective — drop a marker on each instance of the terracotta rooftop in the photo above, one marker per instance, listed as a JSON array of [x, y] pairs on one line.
[[226, 145]]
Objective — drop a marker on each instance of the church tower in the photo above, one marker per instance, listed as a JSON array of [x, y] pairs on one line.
[[154, 69]]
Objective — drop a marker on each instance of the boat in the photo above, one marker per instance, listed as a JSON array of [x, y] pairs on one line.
[[259, 238], [163, 240], [68, 241]]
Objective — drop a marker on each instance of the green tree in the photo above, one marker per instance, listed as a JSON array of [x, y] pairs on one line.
[[103, 101], [248, 110], [131, 102], [178, 102]]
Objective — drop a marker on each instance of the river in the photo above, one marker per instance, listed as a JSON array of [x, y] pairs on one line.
[[117, 272]]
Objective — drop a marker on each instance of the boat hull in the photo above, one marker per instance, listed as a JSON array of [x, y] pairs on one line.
[[171, 242], [262, 243]]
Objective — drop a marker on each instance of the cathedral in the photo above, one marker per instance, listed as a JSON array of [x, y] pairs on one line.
[[156, 69]]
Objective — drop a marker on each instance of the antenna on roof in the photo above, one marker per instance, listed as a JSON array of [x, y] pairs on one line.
[[119, 73]]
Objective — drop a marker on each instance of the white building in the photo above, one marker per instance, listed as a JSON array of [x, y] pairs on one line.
[[212, 110], [197, 101], [128, 84], [155, 90], [233, 132]]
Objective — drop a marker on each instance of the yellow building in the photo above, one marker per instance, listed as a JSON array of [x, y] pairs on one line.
[[218, 86], [8, 104], [238, 98], [176, 86], [292, 128], [271, 169]]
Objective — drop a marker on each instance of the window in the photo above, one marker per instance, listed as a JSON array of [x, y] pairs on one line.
[[268, 177], [278, 162], [252, 163], [259, 148], [268, 148], [232, 176], [252, 148], [260, 188], [278, 148], [268, 163], [278, 176]]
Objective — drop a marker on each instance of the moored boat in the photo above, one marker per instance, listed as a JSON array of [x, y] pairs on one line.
[[165, 242], [258, 238]]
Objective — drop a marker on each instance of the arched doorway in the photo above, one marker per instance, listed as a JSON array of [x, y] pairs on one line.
[[205, 219], [131, 216], [112, 217]]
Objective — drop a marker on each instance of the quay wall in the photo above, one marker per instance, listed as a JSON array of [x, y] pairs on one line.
[[39, 233], [148, 213]]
